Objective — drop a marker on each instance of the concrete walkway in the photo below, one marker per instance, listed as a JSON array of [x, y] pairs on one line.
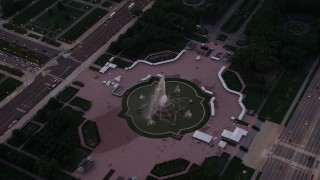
[[261, 145]]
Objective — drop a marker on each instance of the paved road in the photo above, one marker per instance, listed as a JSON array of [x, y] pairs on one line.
[[105, 31], [296, 154]]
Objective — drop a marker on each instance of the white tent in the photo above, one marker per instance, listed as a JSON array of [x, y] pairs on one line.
[[236, 135], [222, 144], [202, 136]]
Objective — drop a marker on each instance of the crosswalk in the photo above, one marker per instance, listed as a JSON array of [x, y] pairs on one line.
[[292, 163], [297, 148]]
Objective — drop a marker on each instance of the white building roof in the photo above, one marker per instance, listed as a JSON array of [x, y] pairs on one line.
[[103, 69], [235, 135], [202, 136]]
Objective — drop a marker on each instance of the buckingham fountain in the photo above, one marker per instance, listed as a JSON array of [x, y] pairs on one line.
[[165, 106]]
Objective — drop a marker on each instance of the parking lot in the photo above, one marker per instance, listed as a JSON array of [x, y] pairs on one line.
[[19, 62]]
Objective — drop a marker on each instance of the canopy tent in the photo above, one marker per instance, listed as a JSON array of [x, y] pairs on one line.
[[202, 136], [222, 144]]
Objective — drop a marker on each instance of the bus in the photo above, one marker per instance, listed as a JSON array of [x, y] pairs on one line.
[[131, 6]]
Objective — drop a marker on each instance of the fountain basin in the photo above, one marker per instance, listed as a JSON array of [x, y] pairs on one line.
[[176, 113]]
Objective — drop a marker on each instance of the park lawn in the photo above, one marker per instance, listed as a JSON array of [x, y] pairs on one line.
[[30, 128], [82, 26], [90, 134], [67, 94], [237, 170], [232, 80], [8, 86], [23, 52], [59, 19], [81, 103], [282, 96], [103, 59], [9, 173], [32, 11]]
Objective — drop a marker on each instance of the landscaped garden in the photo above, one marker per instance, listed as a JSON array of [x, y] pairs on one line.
[[67, 94], [59, 139], [8, 86], [90, 134], [239, 16], [83, 25]]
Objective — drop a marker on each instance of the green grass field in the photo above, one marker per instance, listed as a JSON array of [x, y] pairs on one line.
[[67, 94], [82, 26], [32, 11], [91, 134]]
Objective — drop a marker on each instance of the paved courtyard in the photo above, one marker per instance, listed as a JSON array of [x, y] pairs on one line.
[[129, 154]]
